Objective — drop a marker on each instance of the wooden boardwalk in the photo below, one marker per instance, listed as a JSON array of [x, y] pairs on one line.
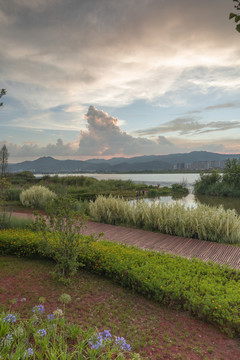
[[205, 250]]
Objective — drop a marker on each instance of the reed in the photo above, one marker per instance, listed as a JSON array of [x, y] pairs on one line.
[[203, 222]]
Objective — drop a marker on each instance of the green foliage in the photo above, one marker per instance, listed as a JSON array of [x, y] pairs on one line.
[[36, 196], [13, 194], [234, 16], [5, 214], [4, 188], [22, 178], [232, 173], [2, 93], [180, 189], [202, 222], [4, 159], [155, 192], [217, 185], [52, 336], [64, 224], [209, 291], [20, 223]]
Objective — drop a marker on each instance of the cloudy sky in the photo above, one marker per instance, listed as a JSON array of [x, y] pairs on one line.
[[106, 78]]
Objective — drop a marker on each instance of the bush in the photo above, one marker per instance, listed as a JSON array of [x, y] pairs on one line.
[[209, 291], [22, 178], [64, 224], [36, 196], [13, 194], [217, 185]]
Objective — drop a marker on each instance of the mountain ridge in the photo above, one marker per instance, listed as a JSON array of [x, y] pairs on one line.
[[197, 159]]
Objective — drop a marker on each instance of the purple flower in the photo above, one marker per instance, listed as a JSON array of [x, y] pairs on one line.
[[28, 352], [42, 332], [50, 317], [10, 318], [122, 343], [39, 309], [96, 342], [97, 345], [105, 334]]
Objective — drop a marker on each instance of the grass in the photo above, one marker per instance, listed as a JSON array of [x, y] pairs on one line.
[[86, 188], [202, 222], [52, 336], [154, 331], [14, 222]]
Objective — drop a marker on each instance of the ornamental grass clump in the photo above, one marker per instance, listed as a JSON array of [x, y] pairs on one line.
[[52, 336], [202, 222], [36, 196]]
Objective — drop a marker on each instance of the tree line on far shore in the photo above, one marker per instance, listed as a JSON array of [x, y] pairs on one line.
[[217, 184]]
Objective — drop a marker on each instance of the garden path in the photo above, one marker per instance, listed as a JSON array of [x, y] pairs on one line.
[[205, 250], [177, 245]]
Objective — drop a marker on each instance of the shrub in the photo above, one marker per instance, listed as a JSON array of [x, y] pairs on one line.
[[14, 194], [64, 224], [5, 214], [36, 196], [209, 291]]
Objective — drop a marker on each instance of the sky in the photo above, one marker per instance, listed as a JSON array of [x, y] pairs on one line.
[[118, 78]]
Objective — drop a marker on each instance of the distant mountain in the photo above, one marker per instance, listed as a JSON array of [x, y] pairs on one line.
[[193, 160]]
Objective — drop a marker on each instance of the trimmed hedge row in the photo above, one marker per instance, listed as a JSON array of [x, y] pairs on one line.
[[209, 291]]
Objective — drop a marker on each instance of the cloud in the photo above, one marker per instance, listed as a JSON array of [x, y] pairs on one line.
[[192, 126], [105, 138], [132, 49], [34, 150], [221, 106]]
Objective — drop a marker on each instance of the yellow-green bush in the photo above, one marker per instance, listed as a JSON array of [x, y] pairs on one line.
[[36, 196], [209, 291]]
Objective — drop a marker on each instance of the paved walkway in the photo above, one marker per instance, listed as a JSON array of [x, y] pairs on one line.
[[205, 250]]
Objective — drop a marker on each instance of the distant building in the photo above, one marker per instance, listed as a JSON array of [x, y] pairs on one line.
[[200, 165]]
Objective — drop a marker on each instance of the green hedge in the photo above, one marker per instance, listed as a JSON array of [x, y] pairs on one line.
[[209, 291]]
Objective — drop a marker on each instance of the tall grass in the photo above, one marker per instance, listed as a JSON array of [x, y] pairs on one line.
[[202, 222], [7, 221]]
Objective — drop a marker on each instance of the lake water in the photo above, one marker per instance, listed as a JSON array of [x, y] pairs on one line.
[[168, 180], [149, 179]]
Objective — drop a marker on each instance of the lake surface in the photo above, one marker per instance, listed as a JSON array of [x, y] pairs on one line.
[[149, 179], [168, 180], [192, 200]]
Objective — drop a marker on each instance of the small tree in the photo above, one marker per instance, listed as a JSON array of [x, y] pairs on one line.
[[61, 229], [232, 172], [234, 16], [5, 214], [3, 92], [4, 154]]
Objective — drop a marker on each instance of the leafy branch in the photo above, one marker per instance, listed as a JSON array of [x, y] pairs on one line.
[[236, 17], [2, 93]]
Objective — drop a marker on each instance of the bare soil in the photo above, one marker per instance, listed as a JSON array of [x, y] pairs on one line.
[[154, 331]]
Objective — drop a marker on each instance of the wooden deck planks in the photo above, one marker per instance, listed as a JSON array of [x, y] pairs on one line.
[[218, 253]]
